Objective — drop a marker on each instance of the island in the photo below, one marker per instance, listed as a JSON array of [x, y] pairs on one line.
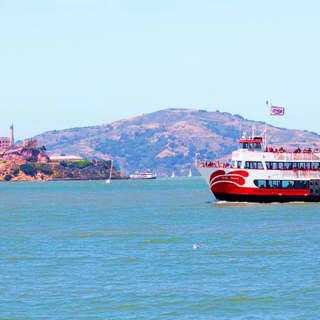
[[28, 162]]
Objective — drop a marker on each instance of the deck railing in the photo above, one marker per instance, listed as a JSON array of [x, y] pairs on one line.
[[292, 156]]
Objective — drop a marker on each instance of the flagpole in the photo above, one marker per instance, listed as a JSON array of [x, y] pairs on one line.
[[265, 126]]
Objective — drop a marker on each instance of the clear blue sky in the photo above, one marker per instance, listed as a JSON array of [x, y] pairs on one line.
[[67, 63]]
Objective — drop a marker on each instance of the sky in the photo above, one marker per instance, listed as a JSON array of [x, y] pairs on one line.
[[71, 63]]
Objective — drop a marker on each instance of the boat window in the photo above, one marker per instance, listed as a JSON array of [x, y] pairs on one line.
[[287, 184], [257, 146], [282, 184], [315, 165], [239, 164], [287, 165], [260, 183], [292, 165], [244, 145], [275, 184], [300, 184], [253, 165]]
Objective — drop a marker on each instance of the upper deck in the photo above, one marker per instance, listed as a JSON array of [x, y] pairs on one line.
[[253, 150]]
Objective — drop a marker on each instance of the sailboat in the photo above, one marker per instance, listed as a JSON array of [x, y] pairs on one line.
[[110, 173], [173, 175], [190, 174]]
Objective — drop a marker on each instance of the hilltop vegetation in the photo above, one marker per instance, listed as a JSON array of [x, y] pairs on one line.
[[168, 139]]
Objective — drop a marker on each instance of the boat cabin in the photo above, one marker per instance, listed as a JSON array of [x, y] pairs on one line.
[[251, 144]]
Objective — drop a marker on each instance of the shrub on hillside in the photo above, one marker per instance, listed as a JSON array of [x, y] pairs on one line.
[[80, 164], [29, 169], [64, 163], [44, 168], [8, 177]]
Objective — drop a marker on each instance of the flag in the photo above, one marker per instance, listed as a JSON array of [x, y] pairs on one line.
[[276, 111]]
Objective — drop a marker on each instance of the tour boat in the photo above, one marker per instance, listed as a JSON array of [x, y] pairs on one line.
[[143, 175], [263, 174]]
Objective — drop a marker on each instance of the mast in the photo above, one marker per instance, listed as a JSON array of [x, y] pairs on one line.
[[110, 173]]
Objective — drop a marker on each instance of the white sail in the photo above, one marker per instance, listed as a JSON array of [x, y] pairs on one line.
[[190, 174], [173, 175], [110, 173]]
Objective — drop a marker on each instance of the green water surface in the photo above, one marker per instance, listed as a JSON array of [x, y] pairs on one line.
[[87, 250]]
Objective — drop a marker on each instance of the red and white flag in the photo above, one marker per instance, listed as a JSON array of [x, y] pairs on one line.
[[276, 111]]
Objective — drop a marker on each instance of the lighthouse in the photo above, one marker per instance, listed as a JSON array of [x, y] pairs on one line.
[[11, 135]]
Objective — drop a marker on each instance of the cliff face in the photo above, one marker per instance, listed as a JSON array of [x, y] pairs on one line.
[[33, 164], [20, 155], [168, 139]]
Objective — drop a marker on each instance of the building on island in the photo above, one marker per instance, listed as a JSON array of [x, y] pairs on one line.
[[30, 143], [7, 142], [59, 158], [4, 143]]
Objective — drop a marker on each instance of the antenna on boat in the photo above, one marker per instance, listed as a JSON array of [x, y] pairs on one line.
[[252, 131]]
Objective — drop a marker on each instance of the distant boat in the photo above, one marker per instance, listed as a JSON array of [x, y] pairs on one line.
[[173, 175], [110, 174], [190, 174], [143, 175]]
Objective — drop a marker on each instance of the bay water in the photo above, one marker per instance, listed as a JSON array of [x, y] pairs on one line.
[[88, 250]]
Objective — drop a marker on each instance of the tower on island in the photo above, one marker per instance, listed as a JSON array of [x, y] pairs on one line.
[[7, 142], [11, 135]]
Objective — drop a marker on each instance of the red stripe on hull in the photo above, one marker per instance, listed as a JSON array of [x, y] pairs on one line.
[[217, 173], [243, 173], [231, 178]]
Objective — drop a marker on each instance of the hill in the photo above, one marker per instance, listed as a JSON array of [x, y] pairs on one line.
[[167, 140]]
